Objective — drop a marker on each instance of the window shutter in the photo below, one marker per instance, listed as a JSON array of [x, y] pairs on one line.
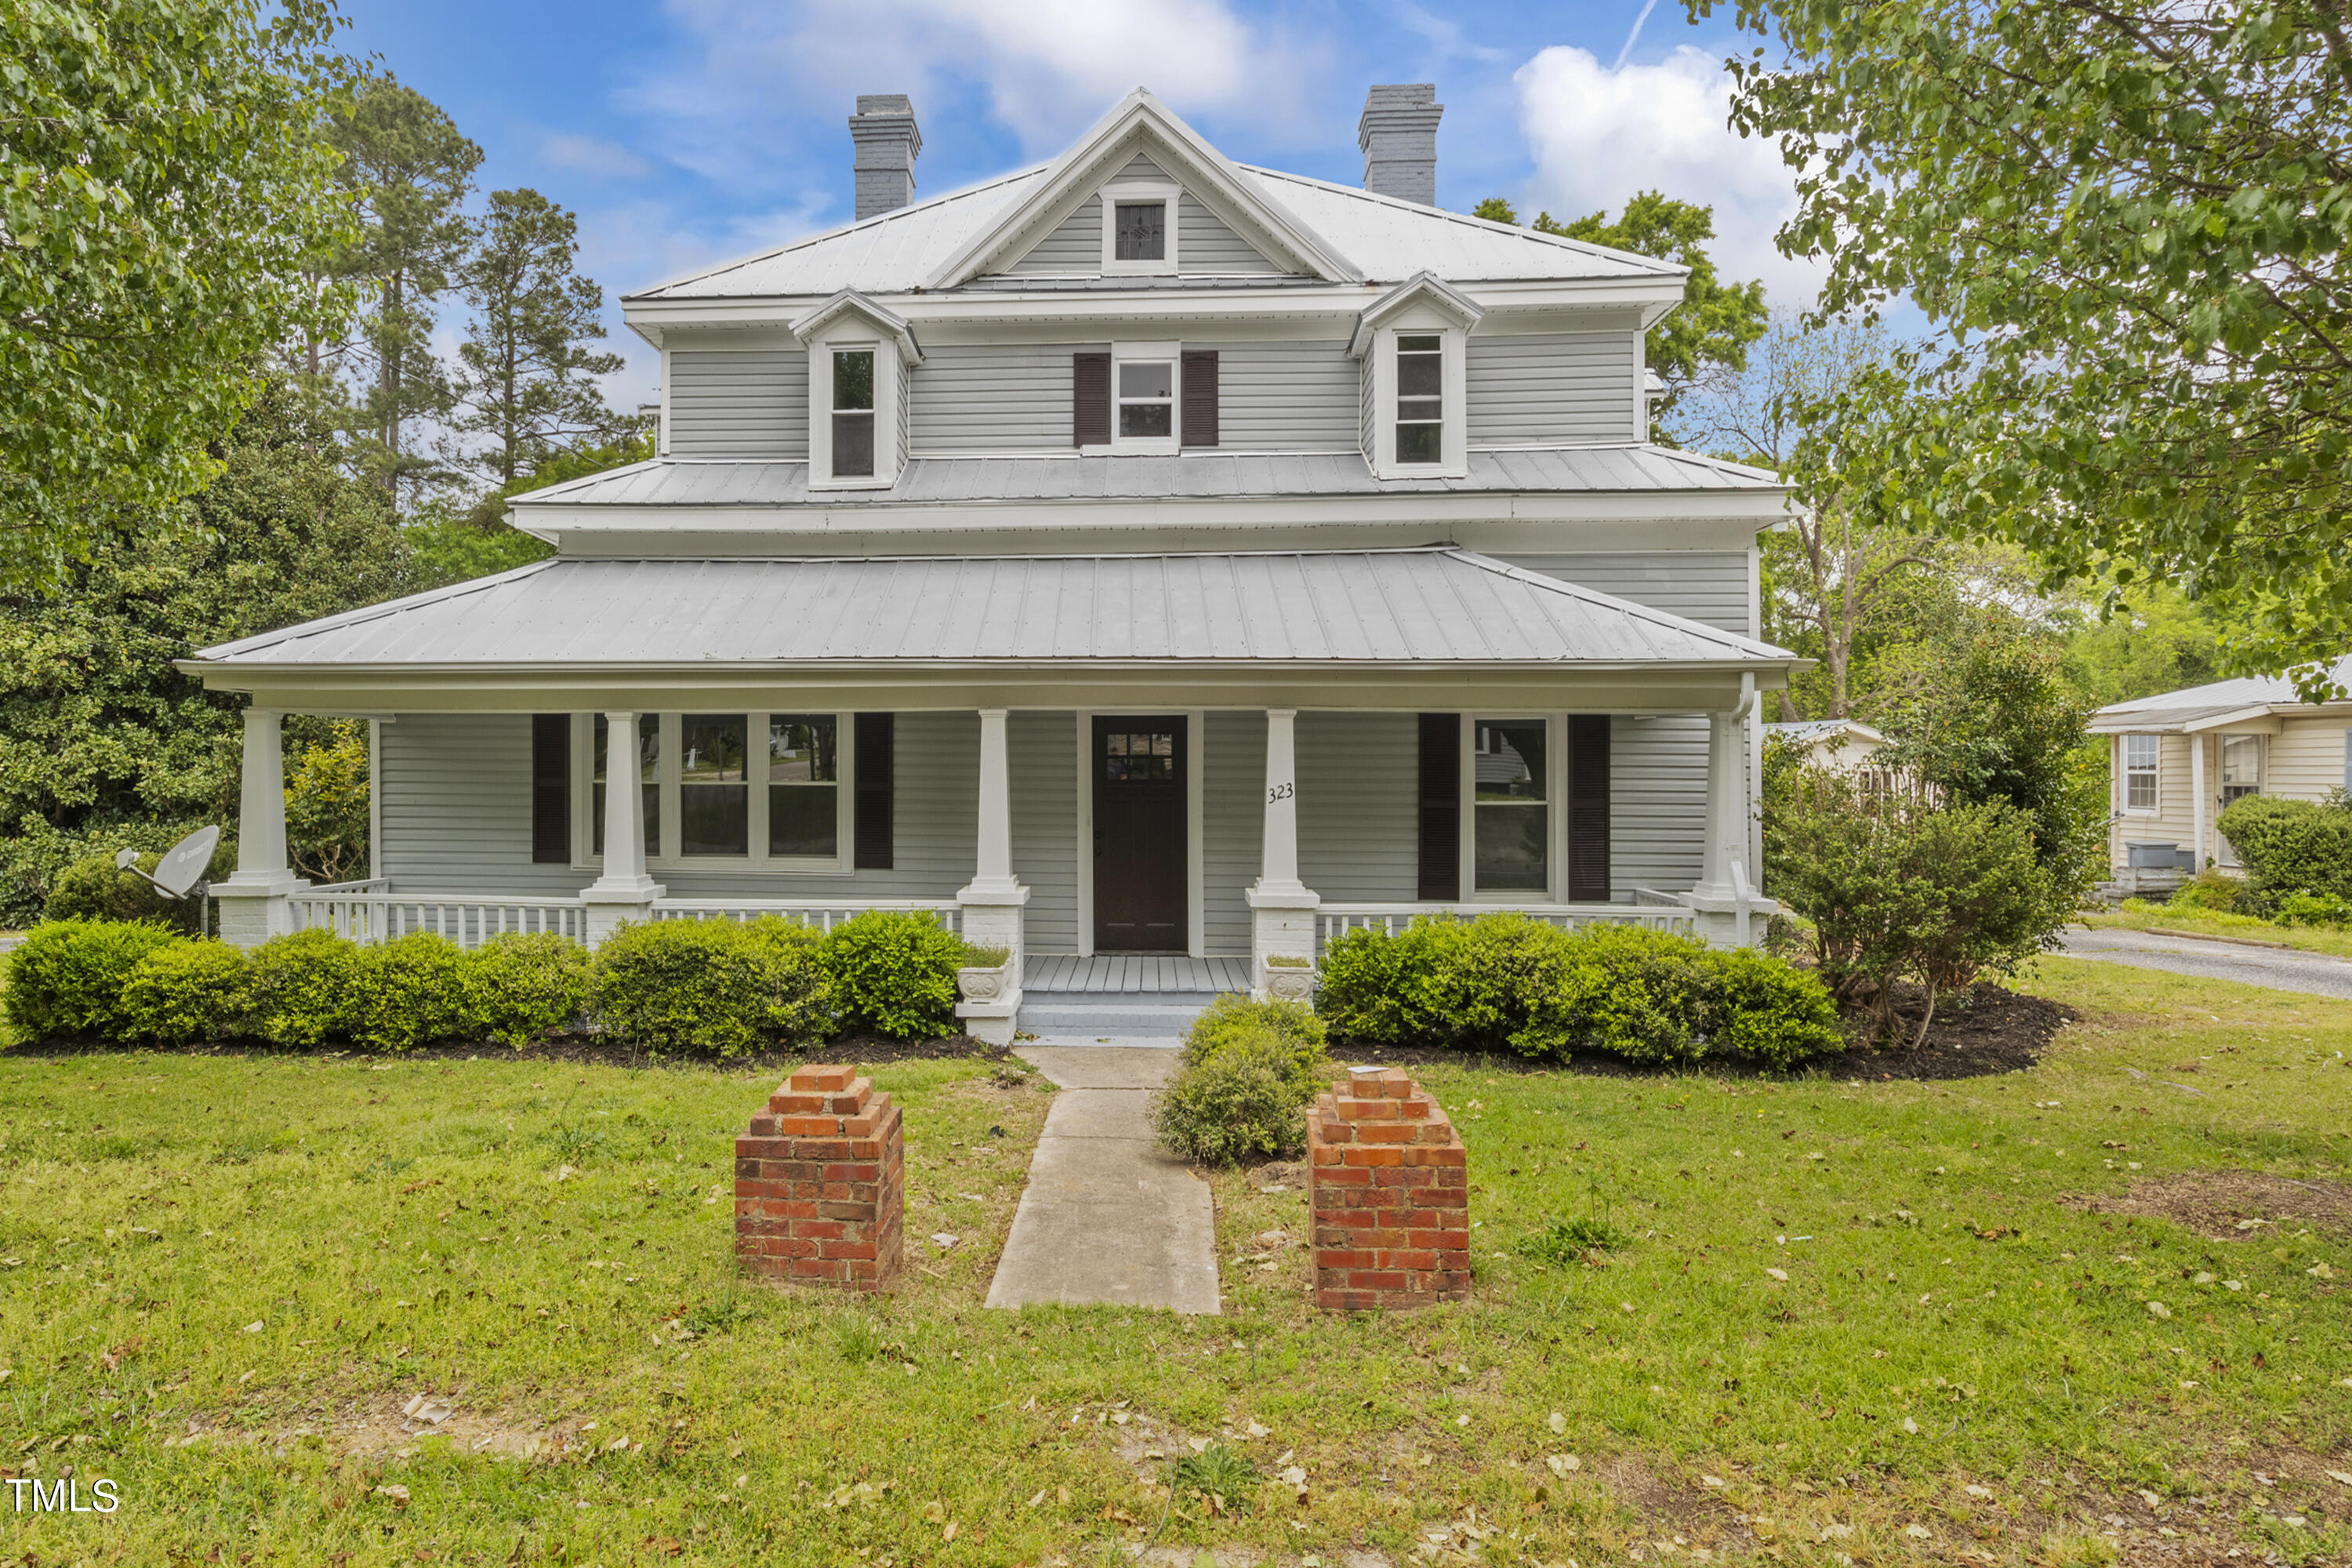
[[1090, 400], [1200, 397], [1440, 807], [876, 736], [1588, 809], [550, 788]]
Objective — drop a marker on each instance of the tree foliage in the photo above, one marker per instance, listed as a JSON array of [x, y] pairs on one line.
[[2129, 222], [166, 204]]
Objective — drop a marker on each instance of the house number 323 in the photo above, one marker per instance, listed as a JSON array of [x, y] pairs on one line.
[[1278, 791]]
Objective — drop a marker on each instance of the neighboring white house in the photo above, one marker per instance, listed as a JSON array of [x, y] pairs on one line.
[[1845, 746], [2177, 759], [1139, 556]]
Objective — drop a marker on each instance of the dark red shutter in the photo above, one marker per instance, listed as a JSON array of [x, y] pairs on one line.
[[1440, 807], [1588, 809], [1090, 400], [876, 736], [550, 788], [1200, 397]]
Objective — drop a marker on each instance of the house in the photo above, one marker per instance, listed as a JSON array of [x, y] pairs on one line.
[[1844, 745], [2177, 760], [1155, 565]]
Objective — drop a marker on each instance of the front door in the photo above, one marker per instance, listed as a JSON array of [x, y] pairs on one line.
[[1139, 850]]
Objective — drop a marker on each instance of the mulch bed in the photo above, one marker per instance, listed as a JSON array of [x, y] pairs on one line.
[[583, 1050]]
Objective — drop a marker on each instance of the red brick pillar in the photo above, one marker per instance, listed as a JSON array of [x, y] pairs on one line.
[[821, 1182], [1388, 1195]]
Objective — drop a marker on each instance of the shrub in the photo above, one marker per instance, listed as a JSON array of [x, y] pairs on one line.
[[2292, 846], [1770, 1013], [1649, 996], [1234, 1017], [66, 979], [410, 991], [2313, 910], [2214, 890], [894, 974], [301, 984], [523, 985], [716, 987], [1391, 990], [1517, 985], [1241, 1098], [186, 993], [95, 889]]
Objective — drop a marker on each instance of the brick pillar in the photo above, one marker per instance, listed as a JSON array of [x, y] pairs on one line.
[[821, 1182], [1388, 1195]]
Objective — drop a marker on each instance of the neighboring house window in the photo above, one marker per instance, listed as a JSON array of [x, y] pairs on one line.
[[765, 791], [2242, 767], [1511, 803], [852, 414], [1421, 398], [1145, 382], [2139, 772], [804, 784], [649, 777], [1139, 231]]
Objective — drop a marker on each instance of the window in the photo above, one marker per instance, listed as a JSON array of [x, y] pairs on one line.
[[648, 775], [1138, 758], [1146, 398], [2242, 767], [714, 797], [852, 414], [1512, 805], [2139, 772], [1139, 231], [1421, 398], [804, 784]]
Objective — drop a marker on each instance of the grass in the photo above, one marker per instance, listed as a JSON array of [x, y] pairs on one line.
[[2138, 914], [226, 1277]]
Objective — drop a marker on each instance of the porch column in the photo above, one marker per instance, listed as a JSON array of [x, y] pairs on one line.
[[2196, 802], [624, 892], [1725, 899], [993, 902], [1283, 909], [256, 903]]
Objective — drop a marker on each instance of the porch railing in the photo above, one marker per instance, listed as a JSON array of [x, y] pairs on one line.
[[1338, 919], [372, 912], [821, 913]]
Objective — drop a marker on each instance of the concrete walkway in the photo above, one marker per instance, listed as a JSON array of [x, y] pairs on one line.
[[2279, 968], [1107, 1217]]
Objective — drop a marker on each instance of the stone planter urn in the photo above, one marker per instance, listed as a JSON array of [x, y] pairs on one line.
[[983, 984], [1287, 983]]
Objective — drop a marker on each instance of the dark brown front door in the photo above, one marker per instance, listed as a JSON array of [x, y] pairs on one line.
[[1139, 857]]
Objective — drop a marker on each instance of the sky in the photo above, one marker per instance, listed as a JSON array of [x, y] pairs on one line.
[[689, 132]]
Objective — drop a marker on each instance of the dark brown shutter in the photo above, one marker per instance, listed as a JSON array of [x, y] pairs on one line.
[[1588, 809], [1200, 397], [550, 788], [1090, 400], [877, 739], [1440, 807]]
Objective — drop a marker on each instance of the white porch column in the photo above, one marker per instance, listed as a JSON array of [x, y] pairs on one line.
[[1283, 909], [254, 902], [992, 902], [624, 892], [1726, 898], [2196, 803]]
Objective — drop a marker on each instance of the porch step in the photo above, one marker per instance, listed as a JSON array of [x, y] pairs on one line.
[[1111, 1015]]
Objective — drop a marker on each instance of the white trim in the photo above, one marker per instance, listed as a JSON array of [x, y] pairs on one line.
[[375, 797], [2155, 771], [1554, 807], [1196, 880], [887, 405], [1381, 365], [1085, 820], [1137, 193]]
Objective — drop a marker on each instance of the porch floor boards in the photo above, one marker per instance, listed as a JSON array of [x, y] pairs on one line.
[[1131, 973]]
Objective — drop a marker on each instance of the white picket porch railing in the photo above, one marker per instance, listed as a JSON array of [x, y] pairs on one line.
[[373, 911], [821, 913], [1337, 920]]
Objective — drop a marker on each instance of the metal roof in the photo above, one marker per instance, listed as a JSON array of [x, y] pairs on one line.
[[1315, 607], [2254, 695], [1384, 237], [671, 482]]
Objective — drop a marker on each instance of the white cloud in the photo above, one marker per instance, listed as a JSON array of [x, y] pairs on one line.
[[1599, 136], [592, 155]]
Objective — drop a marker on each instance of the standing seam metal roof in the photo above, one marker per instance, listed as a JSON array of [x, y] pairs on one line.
[[1376, 605]]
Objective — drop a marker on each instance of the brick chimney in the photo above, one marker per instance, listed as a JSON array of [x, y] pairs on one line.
[[1399, 135], [888, 146]]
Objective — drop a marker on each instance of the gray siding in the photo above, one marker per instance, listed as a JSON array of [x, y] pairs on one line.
[[1658, 802], [1074, 246], [1710, 586], [1233, 827], [1203, 244], [455, 801], [1044, 778], [751, 404], [980, 398], [1287, 396], [1357, 822], [1365, 414], [1553, 388]]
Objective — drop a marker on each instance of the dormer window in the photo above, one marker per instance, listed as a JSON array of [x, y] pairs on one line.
[[1421, 397], [1139, 231], [852, 414]]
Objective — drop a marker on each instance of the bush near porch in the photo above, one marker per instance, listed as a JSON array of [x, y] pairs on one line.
[[715, 988], [2291, 848], [1506, 982]]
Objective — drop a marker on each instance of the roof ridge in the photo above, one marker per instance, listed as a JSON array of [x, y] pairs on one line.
[[1472, 220]]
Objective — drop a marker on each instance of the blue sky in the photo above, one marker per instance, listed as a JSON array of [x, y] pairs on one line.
[[692, 132]]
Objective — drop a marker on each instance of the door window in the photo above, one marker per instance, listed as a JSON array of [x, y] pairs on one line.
[[1133, 758]]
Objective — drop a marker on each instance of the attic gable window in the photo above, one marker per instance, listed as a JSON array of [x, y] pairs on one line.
[[1139, 232]]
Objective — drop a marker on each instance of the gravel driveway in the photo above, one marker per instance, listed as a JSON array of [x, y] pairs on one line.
[[2281, 969]]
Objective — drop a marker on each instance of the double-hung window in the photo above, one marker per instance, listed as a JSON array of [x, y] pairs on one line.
[[1511, 805], [2139, 772], [2242, 767], [763, 792], [1420, 397], [804, 784], [714, 794], [1146, 386], [852, 414]]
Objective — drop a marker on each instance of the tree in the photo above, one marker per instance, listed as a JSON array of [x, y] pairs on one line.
[[165, 205], [408, 170], [2129, 223], [526, 367]]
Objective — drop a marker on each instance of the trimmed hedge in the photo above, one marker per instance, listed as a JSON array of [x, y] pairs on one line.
[[2292, 846], [1507, 983], [187, 993], [66, 978], [1248, 1072], [715, 986], [894, 974]]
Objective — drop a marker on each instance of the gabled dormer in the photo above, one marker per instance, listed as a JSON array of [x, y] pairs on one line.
[[1142, 194], [1412, 342], [858, 357]]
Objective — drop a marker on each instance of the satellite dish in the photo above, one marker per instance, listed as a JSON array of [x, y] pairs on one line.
[[125, 859], [181, 869]]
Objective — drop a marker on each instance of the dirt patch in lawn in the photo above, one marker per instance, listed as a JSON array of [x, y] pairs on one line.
[[2229, 1205], [588, 1050]]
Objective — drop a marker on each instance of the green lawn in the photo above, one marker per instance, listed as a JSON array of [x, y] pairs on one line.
[[224, 1278]]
